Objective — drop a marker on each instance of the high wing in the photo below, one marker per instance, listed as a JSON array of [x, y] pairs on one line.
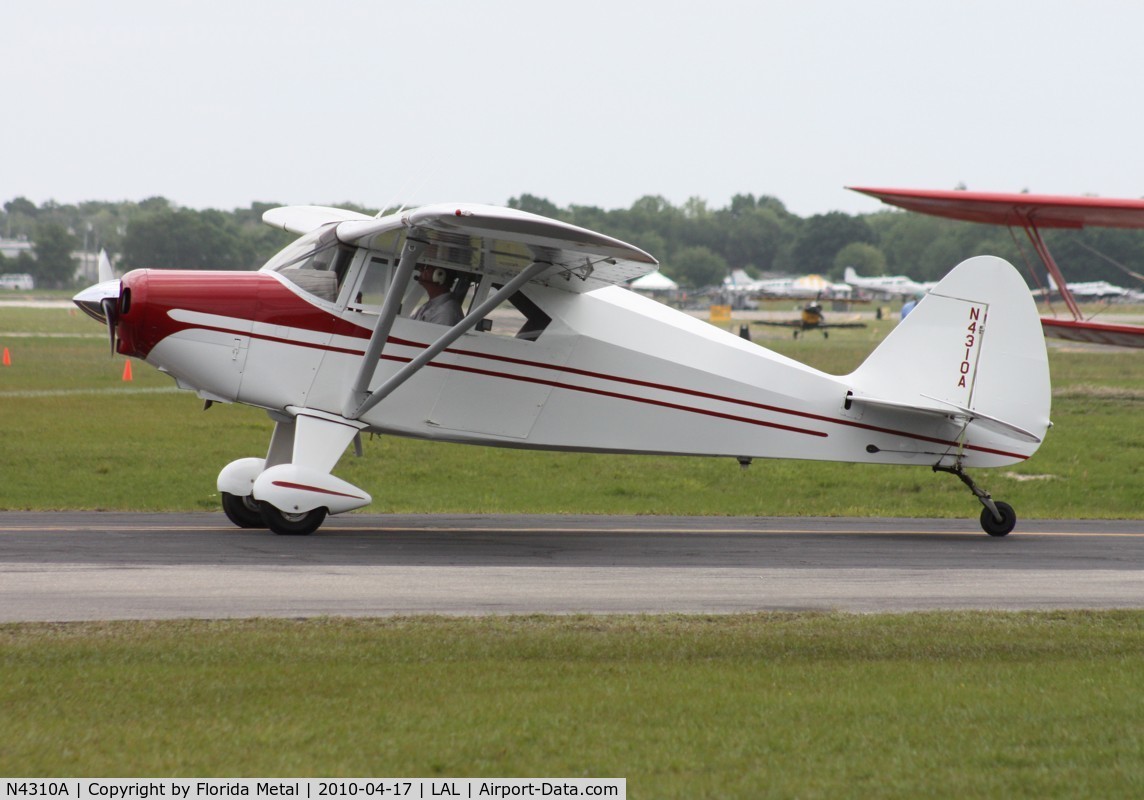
[[1033, 212], [504, 242], [303, 219]]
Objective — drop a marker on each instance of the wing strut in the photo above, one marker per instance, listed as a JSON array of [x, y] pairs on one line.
[[359, 392], [370, 399]]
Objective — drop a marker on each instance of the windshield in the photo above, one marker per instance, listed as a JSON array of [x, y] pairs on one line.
[[316, 263]]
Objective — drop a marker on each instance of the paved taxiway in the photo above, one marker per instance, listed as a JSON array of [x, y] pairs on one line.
[[86, 566]]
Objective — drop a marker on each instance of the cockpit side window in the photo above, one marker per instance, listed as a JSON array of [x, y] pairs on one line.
[[372, 285]]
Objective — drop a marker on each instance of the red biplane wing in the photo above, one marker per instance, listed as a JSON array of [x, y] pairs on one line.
[[1000, 208]]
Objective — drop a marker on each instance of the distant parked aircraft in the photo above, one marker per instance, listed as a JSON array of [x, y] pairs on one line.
[[1087, 290], [807, 287], [886, 285]]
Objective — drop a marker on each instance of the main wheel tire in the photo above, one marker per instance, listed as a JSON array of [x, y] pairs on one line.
[[243, 511], [285, 524], [1007, 523]]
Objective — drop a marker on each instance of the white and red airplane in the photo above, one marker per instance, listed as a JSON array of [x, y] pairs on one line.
[[1034, 212], [324, 339]]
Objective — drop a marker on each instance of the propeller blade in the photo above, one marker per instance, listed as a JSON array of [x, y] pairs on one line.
[[105, 272], [111, 314]]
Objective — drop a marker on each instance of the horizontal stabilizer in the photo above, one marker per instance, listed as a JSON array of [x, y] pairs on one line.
[[954, 412]]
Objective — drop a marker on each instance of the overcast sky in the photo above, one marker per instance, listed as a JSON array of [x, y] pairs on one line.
[[221, 103]]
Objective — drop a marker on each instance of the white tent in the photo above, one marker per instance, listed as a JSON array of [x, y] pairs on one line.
[[654, 282]]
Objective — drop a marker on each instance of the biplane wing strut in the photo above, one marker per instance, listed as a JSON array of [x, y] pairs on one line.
[[1042, 249], [364, 399]]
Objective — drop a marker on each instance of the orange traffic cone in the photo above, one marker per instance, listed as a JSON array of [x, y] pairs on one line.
[[127, 371], [7, 358]]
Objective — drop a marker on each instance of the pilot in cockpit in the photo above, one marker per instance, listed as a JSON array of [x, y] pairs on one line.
[[441, 307]]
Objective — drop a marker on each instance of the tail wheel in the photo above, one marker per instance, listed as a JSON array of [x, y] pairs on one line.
[[1001, 527], [243, 511], [989, 523], [286, 524]]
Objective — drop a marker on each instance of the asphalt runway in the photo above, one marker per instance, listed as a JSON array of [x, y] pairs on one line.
[[103, 566]]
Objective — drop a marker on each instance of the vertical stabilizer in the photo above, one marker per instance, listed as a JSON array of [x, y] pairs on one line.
[[973, 344]]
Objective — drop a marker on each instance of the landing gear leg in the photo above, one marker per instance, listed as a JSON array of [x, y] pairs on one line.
[[997, 518]]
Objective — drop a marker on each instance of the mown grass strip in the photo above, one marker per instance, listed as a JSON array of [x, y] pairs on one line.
[[810, 705]]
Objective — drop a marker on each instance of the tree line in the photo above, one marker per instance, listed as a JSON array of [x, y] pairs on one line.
[[696, 245]]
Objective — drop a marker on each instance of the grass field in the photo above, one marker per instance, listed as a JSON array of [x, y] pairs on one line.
[[772, 705], [106, 444]]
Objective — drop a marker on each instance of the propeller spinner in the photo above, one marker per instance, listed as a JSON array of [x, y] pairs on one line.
[[101, 302]]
